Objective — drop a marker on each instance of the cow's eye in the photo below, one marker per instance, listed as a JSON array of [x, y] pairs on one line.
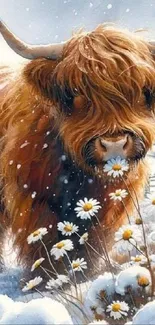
[[149, 97]]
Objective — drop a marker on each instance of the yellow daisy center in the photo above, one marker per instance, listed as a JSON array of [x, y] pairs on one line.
[[153, 201], [143, 281], [36, 233], [87, 206], [116, 307], [60, 245], [31, 286], [116, 167], [36, 264], [68, 228], [75, 265], [137, 259], [127, 234], [138, 221], [118, 193]]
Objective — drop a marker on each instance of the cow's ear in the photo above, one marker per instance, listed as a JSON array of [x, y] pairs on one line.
[[39, 73]]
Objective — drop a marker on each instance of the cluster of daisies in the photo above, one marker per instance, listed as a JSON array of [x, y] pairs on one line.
[[110, 297], [114, 296], [85, 209]]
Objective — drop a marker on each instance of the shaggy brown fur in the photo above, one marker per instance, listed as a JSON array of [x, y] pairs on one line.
[[99, 87]]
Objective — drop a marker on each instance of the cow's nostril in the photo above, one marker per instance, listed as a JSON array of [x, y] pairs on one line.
[[114, 146]]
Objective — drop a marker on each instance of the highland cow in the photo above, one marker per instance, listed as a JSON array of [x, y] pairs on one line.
[[74, 106]]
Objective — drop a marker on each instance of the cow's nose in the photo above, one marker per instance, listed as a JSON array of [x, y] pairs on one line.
[[115, 147]]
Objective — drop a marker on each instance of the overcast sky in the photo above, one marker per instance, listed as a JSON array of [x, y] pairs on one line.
[[42, 21]]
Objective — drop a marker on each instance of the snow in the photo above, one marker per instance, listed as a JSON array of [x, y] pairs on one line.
[[128, 278], [146, 315], [109, 6], [39, 311], [104, 283]]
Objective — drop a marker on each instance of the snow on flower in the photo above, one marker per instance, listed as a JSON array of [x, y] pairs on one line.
[[148, 208], [133, 277], [67, 228], [83, 238], [118, 309], [55, 283], [118, 195], [116, 167], [101, 288], [146, 315], [60, 249], [37, 263], [87, 208], [36, 235], [32, 283], [152, 260], [151, 238], [127, 237], [79, 264]]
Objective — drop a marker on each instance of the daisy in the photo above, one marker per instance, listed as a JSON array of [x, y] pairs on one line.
[[60, 249], [118, 309], [127, 237], [37, 263], [32, 283], [55, 283], [118, 195], [79, 264], [87, 208], [36, 235], [116, 167], [138, 260], [83, 238], [67, 228]]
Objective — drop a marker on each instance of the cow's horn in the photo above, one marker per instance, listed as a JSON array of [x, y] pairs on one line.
[[27, 51]]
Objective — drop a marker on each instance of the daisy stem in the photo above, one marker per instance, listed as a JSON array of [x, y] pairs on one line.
[[74, 276], [131, 297], [73, 303], [49, 271], [85, 277], [87, 250], [105, 248], [96, 252], [67, 272], [48, 256], [39, 292], [45, 272], [141, 252], [126, 211]]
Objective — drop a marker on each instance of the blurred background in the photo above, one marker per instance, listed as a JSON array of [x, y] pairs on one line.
[[43, 21]]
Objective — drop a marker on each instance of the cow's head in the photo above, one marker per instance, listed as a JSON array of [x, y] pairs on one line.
[[102, 84]]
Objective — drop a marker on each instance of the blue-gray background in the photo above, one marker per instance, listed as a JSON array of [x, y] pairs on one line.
[[43, 21]]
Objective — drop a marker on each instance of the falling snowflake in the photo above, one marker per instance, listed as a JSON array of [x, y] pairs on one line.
[[109, 6]]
